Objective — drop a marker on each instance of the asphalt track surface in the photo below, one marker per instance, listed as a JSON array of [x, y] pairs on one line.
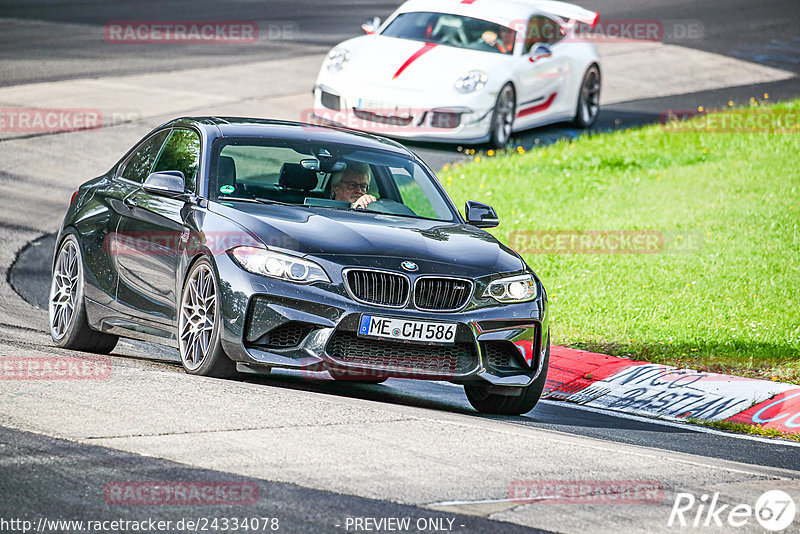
[[761, 31], [30, 276], [47, 41], [62, 464]]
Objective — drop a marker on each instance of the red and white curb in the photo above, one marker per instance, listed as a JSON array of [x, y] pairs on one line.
[[653, 390]]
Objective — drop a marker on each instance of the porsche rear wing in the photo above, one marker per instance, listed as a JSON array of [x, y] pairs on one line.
[[569, 12]]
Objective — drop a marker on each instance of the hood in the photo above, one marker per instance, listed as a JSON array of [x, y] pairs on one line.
[[375, 60], [353, 238]]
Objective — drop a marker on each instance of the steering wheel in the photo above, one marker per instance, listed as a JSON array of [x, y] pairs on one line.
[[389, 207], [451, 35]]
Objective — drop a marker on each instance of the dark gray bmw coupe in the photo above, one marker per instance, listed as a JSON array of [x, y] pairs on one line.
[[253, 244]]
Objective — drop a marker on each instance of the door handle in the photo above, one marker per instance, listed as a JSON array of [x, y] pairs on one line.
[[129, 202]]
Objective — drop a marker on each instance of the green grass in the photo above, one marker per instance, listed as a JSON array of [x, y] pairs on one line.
[[723, 296], [743, 428]]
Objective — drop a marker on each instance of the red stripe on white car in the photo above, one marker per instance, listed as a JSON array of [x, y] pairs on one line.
[[415, 56], [538, 107], [468, 1]]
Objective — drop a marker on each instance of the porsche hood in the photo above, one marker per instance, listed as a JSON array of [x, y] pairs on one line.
[[404, 64]]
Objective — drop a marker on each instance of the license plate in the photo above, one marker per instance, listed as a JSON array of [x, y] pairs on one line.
[[383, 109], [405, 330]]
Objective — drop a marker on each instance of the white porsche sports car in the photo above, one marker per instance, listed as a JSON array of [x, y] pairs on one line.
[[470, 71]]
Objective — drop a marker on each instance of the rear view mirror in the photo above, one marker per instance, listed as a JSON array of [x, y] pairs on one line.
[[167, 183], [371, 26], [480, 215], [310, 164]]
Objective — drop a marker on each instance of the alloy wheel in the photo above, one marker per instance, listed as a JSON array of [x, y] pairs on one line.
[[590, 97], [504, 116], [198, 316], [64, 289]]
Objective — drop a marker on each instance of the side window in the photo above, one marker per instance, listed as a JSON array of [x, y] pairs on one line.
[[542, 30], [259, 165], [181, 153], [138, 165]]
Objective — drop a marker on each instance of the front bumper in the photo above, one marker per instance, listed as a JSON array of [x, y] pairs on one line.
[[404, 114], [274, 324]]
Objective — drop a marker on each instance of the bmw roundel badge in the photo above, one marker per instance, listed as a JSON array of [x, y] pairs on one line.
[[409, 266]]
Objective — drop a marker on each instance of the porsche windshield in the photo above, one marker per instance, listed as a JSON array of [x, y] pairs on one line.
[[452, 30], [324, 175]]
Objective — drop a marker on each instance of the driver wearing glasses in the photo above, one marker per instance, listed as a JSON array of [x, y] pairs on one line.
[[351, 185]]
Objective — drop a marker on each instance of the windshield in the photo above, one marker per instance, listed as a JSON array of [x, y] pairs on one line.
[[324, 175], [453, 30]]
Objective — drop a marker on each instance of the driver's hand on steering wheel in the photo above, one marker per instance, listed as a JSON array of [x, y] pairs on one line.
[[363, 201]]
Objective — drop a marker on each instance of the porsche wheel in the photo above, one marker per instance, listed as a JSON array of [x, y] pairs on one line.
[[588, 107], [503, 117], [200, 324], [485, 402], [66, 309]]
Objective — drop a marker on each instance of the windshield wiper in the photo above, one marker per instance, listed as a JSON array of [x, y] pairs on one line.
[[236, 199], [254, 200], [269, 201], [367, 210]]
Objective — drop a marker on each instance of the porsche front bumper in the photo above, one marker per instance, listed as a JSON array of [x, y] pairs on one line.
[[406, 114]]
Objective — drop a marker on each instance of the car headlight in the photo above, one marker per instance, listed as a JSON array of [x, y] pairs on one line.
[[472, 81], [338, 59], [276, 265], [520, 288]]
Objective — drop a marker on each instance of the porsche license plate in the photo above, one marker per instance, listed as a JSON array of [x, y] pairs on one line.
[[403, 329], [383, 109]]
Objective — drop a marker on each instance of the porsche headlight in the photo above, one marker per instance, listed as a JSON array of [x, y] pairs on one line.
[[338, 59], [276, 265], [472, 81], [520, 288]]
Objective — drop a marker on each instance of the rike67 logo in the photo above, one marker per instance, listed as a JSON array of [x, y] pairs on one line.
[[774, 510]]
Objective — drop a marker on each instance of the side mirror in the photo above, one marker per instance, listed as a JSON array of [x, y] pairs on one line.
[[480, 215], [372, 25], [167, 183], [540, 51]]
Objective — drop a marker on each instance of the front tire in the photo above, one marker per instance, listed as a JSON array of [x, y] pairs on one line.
[[503, 117], [492, 403], [588, 106], [200, 324]]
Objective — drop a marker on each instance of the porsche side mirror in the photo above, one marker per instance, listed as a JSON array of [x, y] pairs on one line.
[[480, 215], [372, 25], [540, 51], [167, 183]]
